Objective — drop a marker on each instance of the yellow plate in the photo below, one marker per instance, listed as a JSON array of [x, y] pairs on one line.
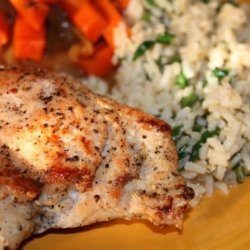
[[218, 222]]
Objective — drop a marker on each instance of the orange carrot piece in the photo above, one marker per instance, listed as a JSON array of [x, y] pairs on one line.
[[109, 11], [33, 12], [70, 6], [90, 21], [28, 43], [114, 18], [4, 30], [98, 64], [108, 35]]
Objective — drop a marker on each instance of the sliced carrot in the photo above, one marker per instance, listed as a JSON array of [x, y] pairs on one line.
[[90, 21], [109, 11], [108, 35], [98, 64], [28, 43], [70, 6], [114, 18], [4, 30], [33, 12]]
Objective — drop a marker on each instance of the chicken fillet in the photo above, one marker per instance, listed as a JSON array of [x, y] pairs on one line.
[[70, 158]]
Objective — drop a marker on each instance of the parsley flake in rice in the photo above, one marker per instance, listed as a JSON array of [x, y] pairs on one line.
[[188, 62]]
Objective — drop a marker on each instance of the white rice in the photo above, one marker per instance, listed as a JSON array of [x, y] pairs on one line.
[[207, 36]]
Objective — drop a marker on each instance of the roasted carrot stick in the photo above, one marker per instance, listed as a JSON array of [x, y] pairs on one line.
[[28, 43], [4, 30], [90, 21], [108, 9], [33, 12], [113, 16], [70, 6], [99, 63]]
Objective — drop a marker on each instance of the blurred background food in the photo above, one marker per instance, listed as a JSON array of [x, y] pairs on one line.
[[68, 35]]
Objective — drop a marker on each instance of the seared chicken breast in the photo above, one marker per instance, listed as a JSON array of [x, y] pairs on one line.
[[70, 158]]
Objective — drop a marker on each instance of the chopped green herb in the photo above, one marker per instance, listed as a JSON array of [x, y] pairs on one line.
[[182, 80], [166, 38], [205, 1], [197, 127], [143, 48], [146, 16], [196, 148], [240, 174], [195, 152], [190, 100], [181, 164], [176, 133], [220, 73], [182, 152], [151, 2], [208, 134], [199, 123], [176, 58]]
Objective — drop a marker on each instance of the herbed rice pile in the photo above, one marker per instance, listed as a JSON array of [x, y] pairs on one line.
[[188, 63]]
